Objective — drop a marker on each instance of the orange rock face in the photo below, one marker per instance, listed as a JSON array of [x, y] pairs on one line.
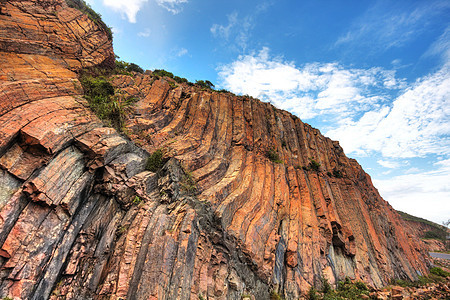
[[81, 218]]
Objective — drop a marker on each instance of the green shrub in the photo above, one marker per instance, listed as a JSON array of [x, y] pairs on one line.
[[137, 200], [99, 93], [313, 165], [135, 68], [273, 156], [337, 173], [329, 174], [155, 161], [180, 79], [326, 287], [312, 294], [275, 296], [435, 234], [206, 84], [162, 73], [361, 286], [85, 8], [188, 183], [439, 272], [123, 67], [172, 84]]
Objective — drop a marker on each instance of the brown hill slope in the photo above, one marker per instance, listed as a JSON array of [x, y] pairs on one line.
[[241, 208]]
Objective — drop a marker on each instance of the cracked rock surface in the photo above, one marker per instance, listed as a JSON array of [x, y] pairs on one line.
[[81, 218]]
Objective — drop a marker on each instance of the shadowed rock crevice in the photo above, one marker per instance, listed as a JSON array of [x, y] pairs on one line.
[[81, 217]]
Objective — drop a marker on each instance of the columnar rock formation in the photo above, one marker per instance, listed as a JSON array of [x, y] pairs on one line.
[[81, 218]]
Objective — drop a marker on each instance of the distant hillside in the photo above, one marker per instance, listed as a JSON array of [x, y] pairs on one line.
[[429, 230]]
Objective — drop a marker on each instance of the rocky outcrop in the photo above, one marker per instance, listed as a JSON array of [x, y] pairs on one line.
[[239, 208]]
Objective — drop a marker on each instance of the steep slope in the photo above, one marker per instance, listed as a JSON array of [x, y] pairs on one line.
[[80, 217], [433, 235]]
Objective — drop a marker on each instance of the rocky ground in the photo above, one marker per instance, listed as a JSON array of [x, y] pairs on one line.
[[251, 201]]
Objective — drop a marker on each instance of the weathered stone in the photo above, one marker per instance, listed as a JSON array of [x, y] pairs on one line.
[[80, 218]]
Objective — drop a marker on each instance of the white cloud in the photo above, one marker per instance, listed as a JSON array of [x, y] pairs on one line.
[[174, 6], [178, 52], [145, 33], [416, 124], [129, 8], [312, 89], [237, 32], [425, 194], [223, 31], [441, 46], [385, 26], [181, 52], [389, 164], [366, 117]]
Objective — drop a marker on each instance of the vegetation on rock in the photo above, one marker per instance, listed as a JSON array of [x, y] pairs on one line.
[[273, 156], [438, 232], [106, 104], [205, 84], [85, 8], [313, 165], [123, 67], [155, 161]]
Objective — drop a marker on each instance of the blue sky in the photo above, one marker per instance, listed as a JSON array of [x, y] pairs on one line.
[[374, 75]]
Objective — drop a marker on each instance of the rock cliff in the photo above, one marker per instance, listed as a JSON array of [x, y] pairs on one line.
[[252, 200]]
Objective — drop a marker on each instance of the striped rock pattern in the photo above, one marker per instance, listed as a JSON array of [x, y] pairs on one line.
[[81, 218]]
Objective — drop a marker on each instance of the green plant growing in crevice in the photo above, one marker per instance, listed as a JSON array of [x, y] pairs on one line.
[[273, 156], [313, 165], [137, 200], [275, 296], [155, 161], [108, 105], [121, 230], [312, 294], [337, 173], [188, 183], [173, 85], [326, 287], [85, 8]]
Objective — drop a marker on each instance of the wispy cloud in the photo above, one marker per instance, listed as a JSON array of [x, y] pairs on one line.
[[128, 8], [236, 30], [145, 33], [386, 26], [312, 89], [389, 164], [409, 192], [441, 46], [223, 31], [417, 123], [236, 33], [174, 6], [178, 52], [366, 116]]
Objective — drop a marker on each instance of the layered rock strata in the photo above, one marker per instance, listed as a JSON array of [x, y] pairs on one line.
[[236, 210]]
